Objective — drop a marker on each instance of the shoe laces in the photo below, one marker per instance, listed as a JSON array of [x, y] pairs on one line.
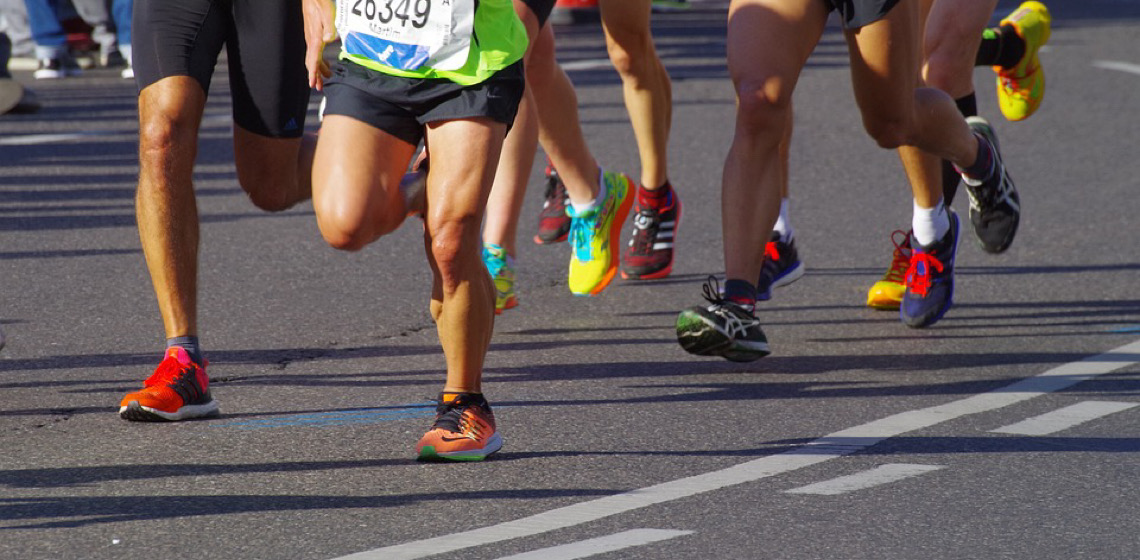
[[170, 371], [582, 228], [495, 259], [459, 418], [646, 224], [554, 193], [737, 320], [1011, 83], [901, 259], [918, 277]]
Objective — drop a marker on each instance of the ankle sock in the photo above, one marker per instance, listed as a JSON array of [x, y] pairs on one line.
[[784, 223], [740, 292], [983, 166], [1000, 46], [930, 224], [189, 344], [658, 198], [580, 209]]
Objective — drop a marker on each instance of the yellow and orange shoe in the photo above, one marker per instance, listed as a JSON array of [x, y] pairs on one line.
[[177, 390], [595, 235], [1021, 88], [464, 430], [888, 293]]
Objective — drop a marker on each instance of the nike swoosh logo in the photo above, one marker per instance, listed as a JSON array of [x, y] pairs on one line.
[[451, 439]]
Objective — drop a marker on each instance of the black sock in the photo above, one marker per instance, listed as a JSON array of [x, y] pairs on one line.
[[740, 292], [189, 344], [983, 166], [1000, 46], [968, 106]]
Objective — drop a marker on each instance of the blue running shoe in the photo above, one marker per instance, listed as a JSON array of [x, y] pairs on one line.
[[781, 267], [930, 280]]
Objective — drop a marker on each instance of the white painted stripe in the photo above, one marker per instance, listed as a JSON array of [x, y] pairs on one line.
[[1065, 418], [1118, 66], [30, 139], [600, 545], [838, 444], [587, 64], [883, 474]]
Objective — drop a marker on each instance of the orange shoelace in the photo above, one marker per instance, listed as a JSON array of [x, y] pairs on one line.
[[900, 260]]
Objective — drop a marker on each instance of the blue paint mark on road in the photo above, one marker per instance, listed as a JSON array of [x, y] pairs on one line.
[[339, 418], [1132, 329]]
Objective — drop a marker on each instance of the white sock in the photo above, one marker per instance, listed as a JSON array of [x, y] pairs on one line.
[[580, 209], [930, 224], [784, 223]]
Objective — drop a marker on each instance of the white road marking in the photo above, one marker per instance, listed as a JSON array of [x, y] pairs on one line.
[[832, 446], [1065, 418], [1118, 66], [600, 545], [587, 64], [30, 139], [883, 474]]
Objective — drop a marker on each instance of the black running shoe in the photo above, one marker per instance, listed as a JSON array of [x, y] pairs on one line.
[[553, 221], [722, 329], [995, 207], [930, 280], [781, 267]]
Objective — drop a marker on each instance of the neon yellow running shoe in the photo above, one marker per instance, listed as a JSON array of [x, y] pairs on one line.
[[501, 267], [595, 234], [1021, 88], [888, 293]]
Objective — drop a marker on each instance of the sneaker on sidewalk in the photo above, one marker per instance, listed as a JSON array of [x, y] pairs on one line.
[[649, 254], [177, 390], [887, 293], [55, 68], [501, 267], [995, 206], [553, 220], [930, 280], [721, 329], [781, 266], [594, 234], [464, 430], [1021, 88]]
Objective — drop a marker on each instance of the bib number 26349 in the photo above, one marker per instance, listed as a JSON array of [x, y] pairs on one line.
[[408, 34]]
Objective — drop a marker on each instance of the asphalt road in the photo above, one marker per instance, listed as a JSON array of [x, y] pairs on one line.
[[1008, 430]]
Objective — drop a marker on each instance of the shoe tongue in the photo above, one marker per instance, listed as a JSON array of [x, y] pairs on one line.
[[179, 354]]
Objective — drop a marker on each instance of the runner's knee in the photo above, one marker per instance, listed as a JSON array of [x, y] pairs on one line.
[[763, 105]]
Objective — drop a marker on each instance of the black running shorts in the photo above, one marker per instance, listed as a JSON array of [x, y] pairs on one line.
[[857, 13], [541, 9], [402, 106], [265, 47]]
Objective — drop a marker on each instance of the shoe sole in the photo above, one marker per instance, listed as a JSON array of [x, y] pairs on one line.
[[494, 444], [697, 335], [138, 413], [11, 92]]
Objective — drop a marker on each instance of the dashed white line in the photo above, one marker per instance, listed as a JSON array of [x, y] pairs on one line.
[[1118, 66], [1065, 418], [838, 444], [883, 474], [600, 545]]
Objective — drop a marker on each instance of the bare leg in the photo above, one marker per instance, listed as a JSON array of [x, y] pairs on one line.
[[463, 302], [645, 83]]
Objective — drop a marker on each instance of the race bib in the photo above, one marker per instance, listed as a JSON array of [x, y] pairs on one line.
[[408, 34]]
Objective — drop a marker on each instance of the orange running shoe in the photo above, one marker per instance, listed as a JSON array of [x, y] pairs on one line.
[[177, 390], [888, 292], [464, 430]]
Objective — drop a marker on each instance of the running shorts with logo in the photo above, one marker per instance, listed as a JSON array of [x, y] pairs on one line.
[[265, 48], [454, 60], [541, 9], [856, 13]]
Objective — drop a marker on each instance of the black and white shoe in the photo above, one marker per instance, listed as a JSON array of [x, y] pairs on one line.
[[995, 207]]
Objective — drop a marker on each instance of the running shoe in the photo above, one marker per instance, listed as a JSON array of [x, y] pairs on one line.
[[995, 206], [930, 280], [781, 266], [1021, 88], [888, 292], [502, 269], [177, 390], [595, 233], [553, 220], [464, 430], [649, 254], [723, 329]]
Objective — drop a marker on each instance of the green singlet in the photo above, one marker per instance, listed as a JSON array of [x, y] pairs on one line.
[[465, 41]]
